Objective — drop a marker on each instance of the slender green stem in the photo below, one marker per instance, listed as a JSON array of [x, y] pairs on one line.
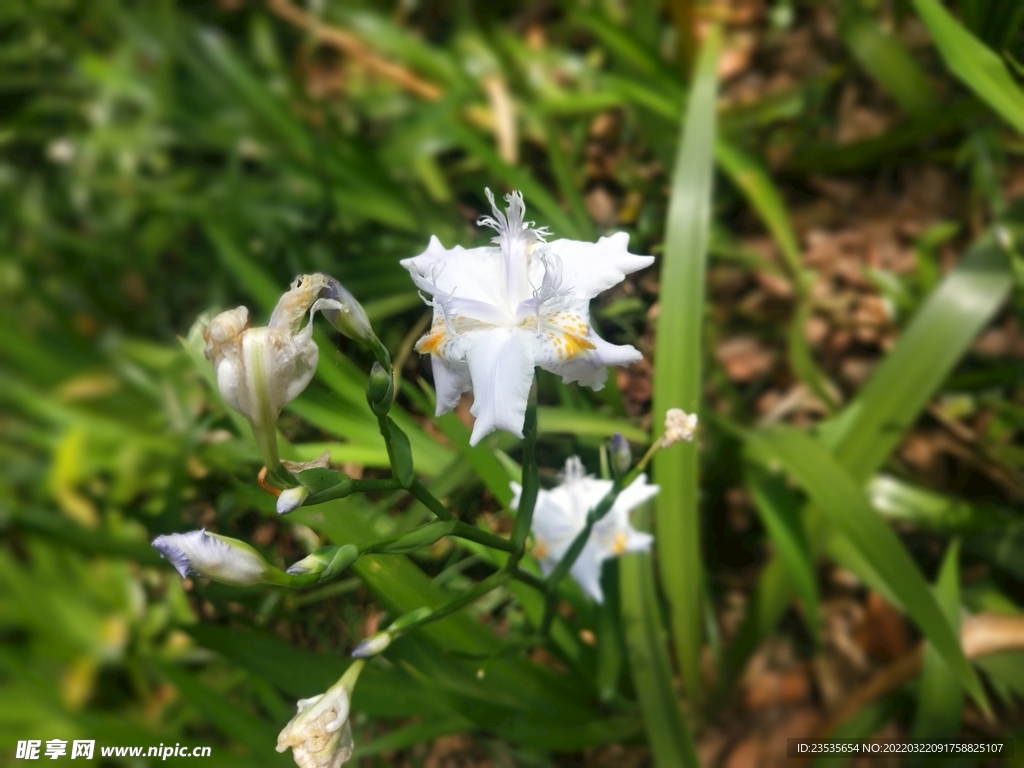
[[470, 533], [531, 483], [431, 502], [528, 578], [492, 582], [348, 486], [371, 485]]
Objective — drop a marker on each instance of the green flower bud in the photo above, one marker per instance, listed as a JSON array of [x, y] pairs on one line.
[[380, 390], [327, 562], [419, 538]]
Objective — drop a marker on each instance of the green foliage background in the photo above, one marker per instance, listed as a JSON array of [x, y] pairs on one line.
[[162, 159]]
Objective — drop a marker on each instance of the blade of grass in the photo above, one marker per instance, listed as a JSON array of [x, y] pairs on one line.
[[635, 53], [870, 428], [840, 499], [779, 509], [973, 62], [382, 692], [891, 147], [581, 423], [678, 356], [755, 182], [940, 699], [937, 337], [256, 734], [644, 633], [410, 735], [886, 59]]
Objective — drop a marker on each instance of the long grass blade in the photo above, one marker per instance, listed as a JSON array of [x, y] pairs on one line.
[[974, 63], [840, 499], [869, 429], [643, 629], [941, 697], [678, 355]]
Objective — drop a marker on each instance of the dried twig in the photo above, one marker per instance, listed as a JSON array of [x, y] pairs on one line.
[[350, 44]]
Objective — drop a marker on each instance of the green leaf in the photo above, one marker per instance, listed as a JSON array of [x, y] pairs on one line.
[[937, 337], [891, 147], [417, 733], [940, 697], [868, 430], [583, 424], [886, 59], [321, 479], [756, 184], [667, 731], [402, 587], [258, 735], [779, 509], [903, 501], [382, 691], [635, 53], [836, 494], [974, 63], [750, 176], [678, 358]]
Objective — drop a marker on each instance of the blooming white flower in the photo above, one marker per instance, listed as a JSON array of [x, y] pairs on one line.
[[216, 557], [320, 734], [260, 370], [679, 426], [561, 513], [501, 311]]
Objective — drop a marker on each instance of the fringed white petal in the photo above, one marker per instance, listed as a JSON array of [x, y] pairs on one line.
[[592, 268]]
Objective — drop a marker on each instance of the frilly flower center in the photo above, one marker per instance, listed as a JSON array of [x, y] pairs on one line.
[[523, 305]]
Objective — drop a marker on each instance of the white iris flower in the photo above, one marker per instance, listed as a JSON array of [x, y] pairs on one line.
[[501, 311], [260, 370], [561, 513]]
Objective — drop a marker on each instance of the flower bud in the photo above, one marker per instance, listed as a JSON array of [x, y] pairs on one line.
[[328, 562], [291, 499], [621, 455], [418, 538], [380, 390], [216, 557], [373, 645], [347, 314], [679, 426]]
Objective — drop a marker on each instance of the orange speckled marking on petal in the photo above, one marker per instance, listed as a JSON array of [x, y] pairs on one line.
[[574, 345], [432, 341], [540, 550]]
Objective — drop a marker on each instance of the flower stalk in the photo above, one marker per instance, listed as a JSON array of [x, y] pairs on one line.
[[531, 483]]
